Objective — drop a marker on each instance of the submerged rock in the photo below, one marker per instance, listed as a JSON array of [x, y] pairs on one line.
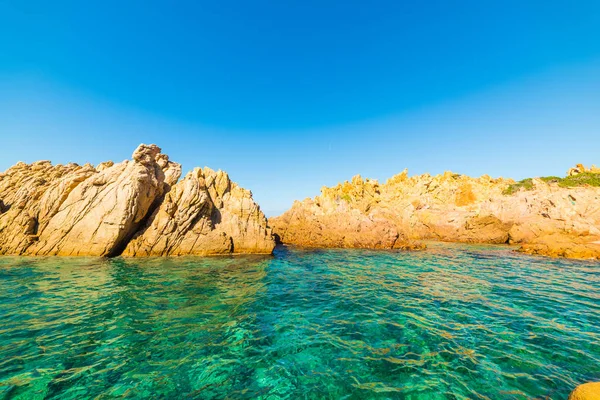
[[587, 391], [86, 211], [548, 219]]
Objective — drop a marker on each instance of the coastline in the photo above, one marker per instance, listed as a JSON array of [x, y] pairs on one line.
[[140, 208], [544, 216]]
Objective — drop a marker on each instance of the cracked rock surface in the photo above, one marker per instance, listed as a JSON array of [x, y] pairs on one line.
[[73, 210], [546, 220], [206, 213]]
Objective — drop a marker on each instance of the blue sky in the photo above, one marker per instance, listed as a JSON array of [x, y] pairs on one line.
[[288, 96]]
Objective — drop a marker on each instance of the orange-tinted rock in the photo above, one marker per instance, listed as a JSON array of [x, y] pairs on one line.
[[465, 195], [580, 169], [560, 245], [447, 207], [337, 224], [586, 391]]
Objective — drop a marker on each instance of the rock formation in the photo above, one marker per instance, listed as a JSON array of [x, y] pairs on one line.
[[138, 208], [204, 214], [547, 219], [86, 211], [580, 169], [345, 216], [586, 391]]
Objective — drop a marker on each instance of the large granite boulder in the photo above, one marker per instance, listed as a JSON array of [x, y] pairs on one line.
[[85, 211], [204, 214], [73, 210]]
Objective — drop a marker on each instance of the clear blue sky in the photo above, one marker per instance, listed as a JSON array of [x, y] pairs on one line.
[[288, 96]]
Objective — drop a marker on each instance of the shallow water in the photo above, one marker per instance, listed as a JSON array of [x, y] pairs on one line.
[[452, 322]]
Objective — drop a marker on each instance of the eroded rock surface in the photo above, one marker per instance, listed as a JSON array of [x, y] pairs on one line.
[[347, 216], [86, 211], [73, 210], [547, 220], [204, 214]]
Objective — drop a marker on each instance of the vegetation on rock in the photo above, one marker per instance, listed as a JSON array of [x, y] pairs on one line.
[[549, 215], [581, 179]]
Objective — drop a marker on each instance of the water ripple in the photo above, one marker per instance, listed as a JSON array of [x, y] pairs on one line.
[[452, 322]]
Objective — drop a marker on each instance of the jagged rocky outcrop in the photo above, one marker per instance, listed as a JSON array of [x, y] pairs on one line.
[[581, 169], [347, 216], [547, 219], [86, 211], [204, 214]]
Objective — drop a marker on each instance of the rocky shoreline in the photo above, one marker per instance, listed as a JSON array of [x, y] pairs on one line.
[[140, 207], [541, 215]]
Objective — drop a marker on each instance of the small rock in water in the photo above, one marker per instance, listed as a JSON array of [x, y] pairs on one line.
[[587, 391]]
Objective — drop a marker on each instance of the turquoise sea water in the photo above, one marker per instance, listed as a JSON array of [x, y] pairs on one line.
[[452, 322]]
